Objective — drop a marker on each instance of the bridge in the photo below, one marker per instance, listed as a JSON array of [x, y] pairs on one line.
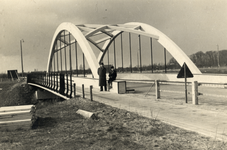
[[77, 50]]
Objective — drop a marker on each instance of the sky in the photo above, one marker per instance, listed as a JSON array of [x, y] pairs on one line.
[[194, 25]]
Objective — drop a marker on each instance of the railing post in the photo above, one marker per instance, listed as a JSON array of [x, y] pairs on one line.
[[74, 85], [157, 89], [38, 79], [51, 79], [91, 93], [46, 80], [56, 76], [49, 75], [71, 85], [67, 84], [35, 78], [42, 78], [83, 90], [195, 92], [62, 84], [59, 82], [28, 78]]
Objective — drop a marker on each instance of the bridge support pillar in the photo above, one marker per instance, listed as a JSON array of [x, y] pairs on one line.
[[42, 94]]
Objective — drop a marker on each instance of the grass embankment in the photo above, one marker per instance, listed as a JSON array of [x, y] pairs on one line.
[[59, 127], [15, 93]]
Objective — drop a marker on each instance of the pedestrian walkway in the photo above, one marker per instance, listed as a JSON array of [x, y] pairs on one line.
[[187, 116]]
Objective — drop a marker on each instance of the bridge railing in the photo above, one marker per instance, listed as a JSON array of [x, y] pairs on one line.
[[194, 92], [58, 82]]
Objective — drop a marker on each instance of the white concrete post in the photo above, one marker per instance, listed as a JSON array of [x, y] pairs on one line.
[[195, 92], [157, 89]]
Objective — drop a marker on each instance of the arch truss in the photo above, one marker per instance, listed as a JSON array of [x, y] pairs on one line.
[[101, 36]]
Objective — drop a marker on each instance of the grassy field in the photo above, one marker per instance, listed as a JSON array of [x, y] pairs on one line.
[[214, 70], [58, 126]]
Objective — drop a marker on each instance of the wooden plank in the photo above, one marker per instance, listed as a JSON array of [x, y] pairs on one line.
[[14, 117], [14, 112], [14, 121], [17, 124], [15, 108]]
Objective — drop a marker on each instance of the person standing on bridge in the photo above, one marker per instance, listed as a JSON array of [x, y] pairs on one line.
[[102, 77], [112, 77]]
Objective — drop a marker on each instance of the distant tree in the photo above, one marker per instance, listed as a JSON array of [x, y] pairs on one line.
[[173, 64], [198, 58], [222, 57], [211, 59], [208, 59]]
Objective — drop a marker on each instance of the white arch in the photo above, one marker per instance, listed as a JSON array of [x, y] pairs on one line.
[[82, 41], [131, 27], [166, 42]]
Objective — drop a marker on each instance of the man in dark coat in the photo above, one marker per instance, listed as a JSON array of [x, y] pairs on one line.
[[102, 77], [112, 77]]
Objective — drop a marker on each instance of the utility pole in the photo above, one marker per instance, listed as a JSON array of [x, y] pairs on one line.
[[218, 55], [138, 59], [21, 57]]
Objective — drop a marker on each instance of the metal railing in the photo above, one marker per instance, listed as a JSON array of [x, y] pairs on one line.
[[58, 82], [194, 89], [61, 83]]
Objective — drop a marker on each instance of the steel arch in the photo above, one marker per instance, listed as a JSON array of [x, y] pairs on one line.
[[166, 42], [112, 31], [170, 46]]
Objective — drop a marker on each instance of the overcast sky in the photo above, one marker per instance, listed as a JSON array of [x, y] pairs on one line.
[[194, 25]]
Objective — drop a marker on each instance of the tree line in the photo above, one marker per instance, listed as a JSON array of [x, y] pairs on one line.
[[205, 59]]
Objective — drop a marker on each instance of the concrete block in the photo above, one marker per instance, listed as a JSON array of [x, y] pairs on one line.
[[86, 114]]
